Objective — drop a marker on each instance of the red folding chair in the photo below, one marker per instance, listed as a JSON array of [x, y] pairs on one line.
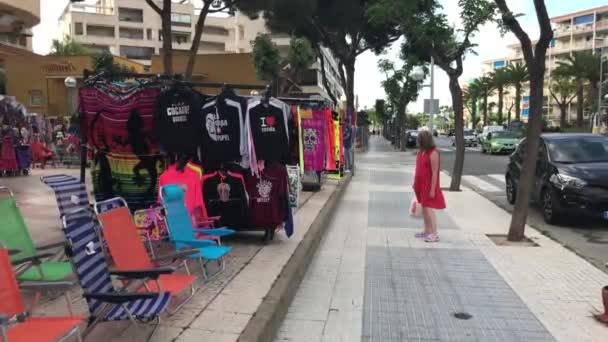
[[15, 323], [129, 253]]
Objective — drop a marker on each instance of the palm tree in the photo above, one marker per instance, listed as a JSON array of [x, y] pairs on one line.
[[582, 66], [486, 88], [518, 76], [563, 91], [501, 80], [68, 47], [471, 97]]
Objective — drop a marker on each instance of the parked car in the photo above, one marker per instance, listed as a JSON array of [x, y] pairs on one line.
[[470, 139], [499, 142], [411, 138], [571, 175]]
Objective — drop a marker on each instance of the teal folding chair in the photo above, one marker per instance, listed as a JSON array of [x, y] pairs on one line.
[[183, 233]]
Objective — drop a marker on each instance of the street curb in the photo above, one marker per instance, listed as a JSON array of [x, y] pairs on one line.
[[271, 312]]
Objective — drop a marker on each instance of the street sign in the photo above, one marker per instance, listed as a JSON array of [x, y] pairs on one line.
[[431, 109], [525, 107]]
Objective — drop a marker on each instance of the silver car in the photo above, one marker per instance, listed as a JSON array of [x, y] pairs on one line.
[[469, 138]]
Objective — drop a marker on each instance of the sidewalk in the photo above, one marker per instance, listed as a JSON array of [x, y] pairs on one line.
[[222, 308], [371, 280]]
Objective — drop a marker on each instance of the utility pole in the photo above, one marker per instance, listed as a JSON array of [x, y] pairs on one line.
[[432, 106]]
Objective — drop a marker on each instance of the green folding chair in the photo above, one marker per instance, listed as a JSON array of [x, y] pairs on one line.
[[32, 263]]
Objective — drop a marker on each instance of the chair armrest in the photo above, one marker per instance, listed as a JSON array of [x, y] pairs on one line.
[[220, 232], [119, 298], [153, 273], [51, 245], [176, 255], [46, 285], [34, 259], [196, 243]]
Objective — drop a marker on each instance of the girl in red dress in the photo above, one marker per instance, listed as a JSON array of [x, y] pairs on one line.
[[427, 186]]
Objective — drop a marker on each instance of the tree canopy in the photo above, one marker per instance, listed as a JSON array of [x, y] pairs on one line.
[[68, 47]]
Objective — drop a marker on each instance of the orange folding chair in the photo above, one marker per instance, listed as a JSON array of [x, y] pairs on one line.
[[129, 252], [15, 323]]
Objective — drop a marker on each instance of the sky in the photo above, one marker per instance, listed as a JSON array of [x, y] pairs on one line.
[[367, 78]]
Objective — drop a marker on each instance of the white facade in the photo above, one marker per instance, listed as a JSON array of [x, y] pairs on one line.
[[579, 31], [132, 29]]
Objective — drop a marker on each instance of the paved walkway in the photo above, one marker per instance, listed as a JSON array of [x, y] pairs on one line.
[[371, 280]]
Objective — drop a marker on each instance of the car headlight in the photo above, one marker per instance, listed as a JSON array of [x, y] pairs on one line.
[[564, 181], [495, 144]]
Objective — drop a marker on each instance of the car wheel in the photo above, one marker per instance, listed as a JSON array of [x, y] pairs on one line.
[[511, 190], [483, 149], [453, 144], [550, 212]]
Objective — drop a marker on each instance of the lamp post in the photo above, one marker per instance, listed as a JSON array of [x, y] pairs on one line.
[[599, 95], [418, 75]]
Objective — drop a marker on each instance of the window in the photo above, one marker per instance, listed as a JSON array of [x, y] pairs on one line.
[[241, 32], [131, 33], [309, 78], [36, 98], [78, 30], [180, 19], [180, 37], [212, 47], [149, 34], [160, 35], [136, 52], [582, 20], [100, 31], [131, 14], [215, 30]]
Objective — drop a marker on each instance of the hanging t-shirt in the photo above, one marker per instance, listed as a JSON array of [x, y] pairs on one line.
[[330, 162], [224, 136], [224, 195], [267, 126], [190, 179], [268, 197], [313, 141], [176, 120]]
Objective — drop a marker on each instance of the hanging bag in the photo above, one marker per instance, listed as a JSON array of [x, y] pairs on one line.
[[415, 209]]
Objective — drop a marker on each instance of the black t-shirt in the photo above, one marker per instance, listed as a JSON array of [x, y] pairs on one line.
[[223, 133], [268, 126], [224, 195], [176, 120]]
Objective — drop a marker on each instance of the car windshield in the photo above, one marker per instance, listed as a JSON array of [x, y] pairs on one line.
[[578, 150], [503, 135], [468, 133]]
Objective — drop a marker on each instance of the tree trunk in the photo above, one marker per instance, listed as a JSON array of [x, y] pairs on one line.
[[563, 114], [457, 105], [593, 96], [518, 102], [526, 178], [485, 110], [350, 87], [196, 41], [167, 41], [580, 104], [402, 122], [501, 91]]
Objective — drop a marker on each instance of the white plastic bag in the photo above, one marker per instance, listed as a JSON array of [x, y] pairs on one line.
[[415, 209]]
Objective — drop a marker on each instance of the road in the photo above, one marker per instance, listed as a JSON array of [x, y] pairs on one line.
[[485, 175]]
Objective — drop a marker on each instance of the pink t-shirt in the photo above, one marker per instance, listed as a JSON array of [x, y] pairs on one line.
[[313, 141], [191, 180]]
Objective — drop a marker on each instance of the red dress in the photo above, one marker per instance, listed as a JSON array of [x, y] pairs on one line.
[[422, 182]]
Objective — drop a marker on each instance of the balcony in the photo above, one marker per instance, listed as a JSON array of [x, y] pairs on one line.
[[132, 15], [561, 31], [587, 45], [578, 29], [100, 31], [90, 9], [601, 25], [131, 33], [23, 12]]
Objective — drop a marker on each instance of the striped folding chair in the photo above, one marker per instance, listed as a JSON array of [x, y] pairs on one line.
[[105, 302], [70, 193]]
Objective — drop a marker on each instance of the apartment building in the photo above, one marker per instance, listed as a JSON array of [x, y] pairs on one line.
[[131, 29], [579, 31], [17, 17]]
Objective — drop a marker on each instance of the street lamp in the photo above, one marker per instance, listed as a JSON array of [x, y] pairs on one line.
[[418, 75]]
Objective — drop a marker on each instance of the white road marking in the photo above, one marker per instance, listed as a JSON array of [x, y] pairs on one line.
[[500, 178], [481, 184]]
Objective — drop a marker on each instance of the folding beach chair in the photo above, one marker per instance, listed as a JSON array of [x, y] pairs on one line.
[[129, 253], [105, 302], [34, 263], [16, 325], [70, 193], [182, 232]]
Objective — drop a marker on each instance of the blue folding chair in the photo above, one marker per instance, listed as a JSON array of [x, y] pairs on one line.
[[183, 233], [105, 302]]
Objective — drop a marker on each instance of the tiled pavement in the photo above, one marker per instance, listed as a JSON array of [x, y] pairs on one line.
[[371, 280]]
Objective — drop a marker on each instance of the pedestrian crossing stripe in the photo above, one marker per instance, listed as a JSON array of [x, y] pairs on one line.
[[453, 149], [481, 184], [500, 178]]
